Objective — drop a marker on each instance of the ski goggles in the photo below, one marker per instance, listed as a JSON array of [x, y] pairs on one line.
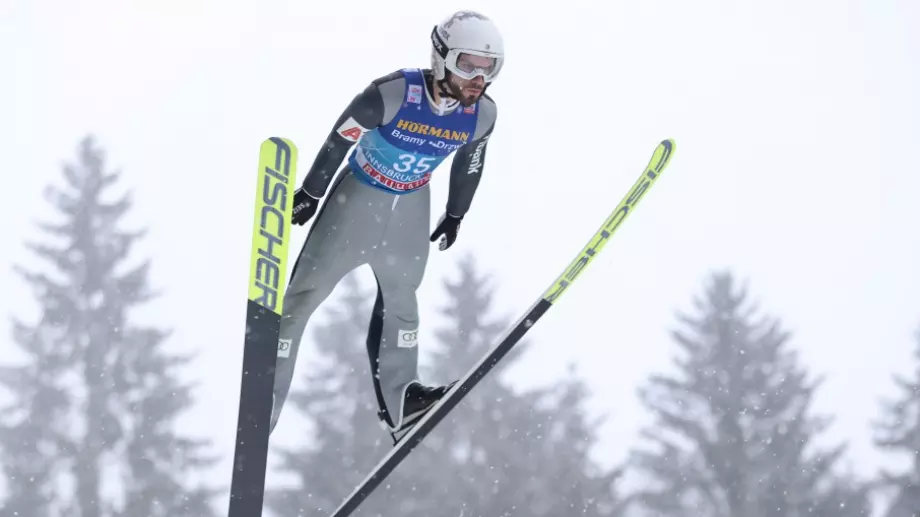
[[468, 64]]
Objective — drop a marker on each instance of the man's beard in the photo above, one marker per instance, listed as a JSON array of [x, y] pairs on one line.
[[457, 93]]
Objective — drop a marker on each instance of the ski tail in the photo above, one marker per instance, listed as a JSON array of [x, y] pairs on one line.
[[271, 235], [660, 159]]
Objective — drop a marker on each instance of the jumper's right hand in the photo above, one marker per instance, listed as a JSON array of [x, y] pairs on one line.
[[304, 207]]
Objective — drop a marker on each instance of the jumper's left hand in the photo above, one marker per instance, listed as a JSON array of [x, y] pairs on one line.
[[447, 229]]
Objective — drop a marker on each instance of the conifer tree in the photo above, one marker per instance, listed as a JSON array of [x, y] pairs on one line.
[[899, 433], [97, 396], [516, 452], [734, 431]]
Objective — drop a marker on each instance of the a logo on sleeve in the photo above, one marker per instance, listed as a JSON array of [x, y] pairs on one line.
[[476, 160], [351, 130]]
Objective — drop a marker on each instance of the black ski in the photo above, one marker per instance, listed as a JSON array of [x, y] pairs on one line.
[[271, 235]]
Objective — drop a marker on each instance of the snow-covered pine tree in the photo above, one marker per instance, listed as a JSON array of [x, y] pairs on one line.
[[734, 432], [97, 396], [899, 433]]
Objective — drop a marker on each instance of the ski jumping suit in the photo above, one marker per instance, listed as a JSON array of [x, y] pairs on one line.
[[378, 213]]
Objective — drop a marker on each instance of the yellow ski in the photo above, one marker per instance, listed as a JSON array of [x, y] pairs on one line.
[[271, 234]]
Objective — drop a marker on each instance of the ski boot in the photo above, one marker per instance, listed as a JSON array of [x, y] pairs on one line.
[[417, 400]]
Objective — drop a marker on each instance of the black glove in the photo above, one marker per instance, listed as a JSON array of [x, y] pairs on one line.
[[304, 207], [447, 229]]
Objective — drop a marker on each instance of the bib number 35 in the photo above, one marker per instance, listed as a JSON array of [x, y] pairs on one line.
[[413, 164]]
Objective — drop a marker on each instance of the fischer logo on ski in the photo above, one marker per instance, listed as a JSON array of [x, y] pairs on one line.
[[658, 162], [271, 234]]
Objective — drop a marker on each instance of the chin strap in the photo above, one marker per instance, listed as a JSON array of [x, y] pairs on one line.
[[447, 102], [442, 88]]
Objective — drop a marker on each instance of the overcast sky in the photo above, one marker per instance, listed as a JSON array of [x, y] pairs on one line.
[[796, 126]]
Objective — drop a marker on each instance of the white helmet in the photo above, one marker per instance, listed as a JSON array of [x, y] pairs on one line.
[[461, 42]]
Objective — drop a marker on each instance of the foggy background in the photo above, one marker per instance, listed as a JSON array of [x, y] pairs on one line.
[[794, 170]]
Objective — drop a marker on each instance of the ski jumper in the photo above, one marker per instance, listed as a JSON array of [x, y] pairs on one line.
[[377, 212]]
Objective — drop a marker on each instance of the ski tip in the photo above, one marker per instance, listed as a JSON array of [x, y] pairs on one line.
[[662, 156], [279, 141]]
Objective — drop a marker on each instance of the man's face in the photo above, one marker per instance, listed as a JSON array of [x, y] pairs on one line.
[[468, 91]]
